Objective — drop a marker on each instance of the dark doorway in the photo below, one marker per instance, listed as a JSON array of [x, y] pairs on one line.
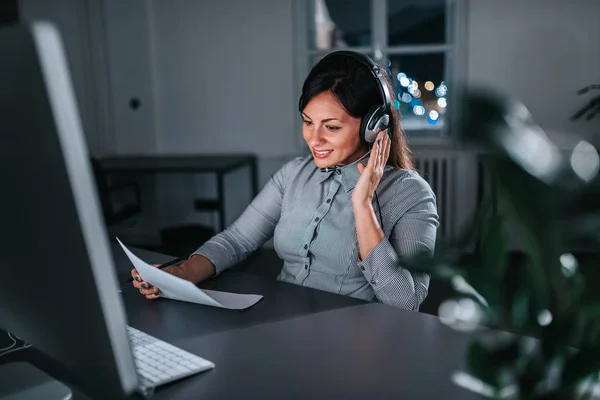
[[9, 12]]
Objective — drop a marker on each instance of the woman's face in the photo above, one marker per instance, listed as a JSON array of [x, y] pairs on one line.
[[330, 132]]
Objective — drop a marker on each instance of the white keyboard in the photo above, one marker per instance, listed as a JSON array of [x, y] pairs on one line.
[[159, 362]]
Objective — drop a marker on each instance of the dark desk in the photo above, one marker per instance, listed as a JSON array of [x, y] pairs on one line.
[[298, 343], [281, 301], [366, 351], [302, 343], [218, 164]]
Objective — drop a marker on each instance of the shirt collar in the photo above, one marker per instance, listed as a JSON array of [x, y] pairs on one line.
[[347, 175]]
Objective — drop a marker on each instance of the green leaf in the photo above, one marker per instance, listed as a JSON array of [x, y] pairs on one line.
[[520, 310], [473, 227], [481, 365], [591, 312], [505, 354], [583, 364], [495, 246]]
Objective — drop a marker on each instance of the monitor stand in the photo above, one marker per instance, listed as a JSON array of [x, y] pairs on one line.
[[23, 381]]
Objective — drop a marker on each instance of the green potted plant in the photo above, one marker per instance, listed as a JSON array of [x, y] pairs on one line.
[[544, 294]]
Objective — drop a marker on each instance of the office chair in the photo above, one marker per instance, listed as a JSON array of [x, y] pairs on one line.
[[107, 192]]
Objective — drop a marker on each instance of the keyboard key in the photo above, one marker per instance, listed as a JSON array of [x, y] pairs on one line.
[[166, 346]]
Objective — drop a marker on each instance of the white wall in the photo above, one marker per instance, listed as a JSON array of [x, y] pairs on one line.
[[541, 51], [225, 76]]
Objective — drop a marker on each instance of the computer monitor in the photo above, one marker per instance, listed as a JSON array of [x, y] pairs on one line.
[[58, 284]]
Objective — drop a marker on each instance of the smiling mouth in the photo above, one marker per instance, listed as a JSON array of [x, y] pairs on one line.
[[322, 154]]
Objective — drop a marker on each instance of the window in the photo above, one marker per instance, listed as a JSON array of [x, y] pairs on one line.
[[413, 39]]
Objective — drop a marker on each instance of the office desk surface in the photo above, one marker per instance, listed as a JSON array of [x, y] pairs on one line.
[[301, 343], [175, 162], [176, 320], [368, 351]]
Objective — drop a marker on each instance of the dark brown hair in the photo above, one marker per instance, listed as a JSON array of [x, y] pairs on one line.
[[355, 88]]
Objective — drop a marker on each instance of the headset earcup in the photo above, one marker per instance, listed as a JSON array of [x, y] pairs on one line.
[[365, 133], [378, 121]]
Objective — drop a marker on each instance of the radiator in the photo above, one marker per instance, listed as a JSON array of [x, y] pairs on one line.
[[439, 170]]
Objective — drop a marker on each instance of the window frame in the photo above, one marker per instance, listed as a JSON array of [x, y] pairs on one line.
[[454, 49]]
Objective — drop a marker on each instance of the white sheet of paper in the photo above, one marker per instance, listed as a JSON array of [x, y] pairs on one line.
[[175, 288]]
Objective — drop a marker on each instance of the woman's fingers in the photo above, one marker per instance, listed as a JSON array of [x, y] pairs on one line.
[[373, 157], [144, 287], [381, 148], [149, 291], [140, 284], [134, 274], [381, 145], [386, 150]]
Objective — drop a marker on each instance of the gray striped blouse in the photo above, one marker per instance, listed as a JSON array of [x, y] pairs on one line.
[[309, 214]]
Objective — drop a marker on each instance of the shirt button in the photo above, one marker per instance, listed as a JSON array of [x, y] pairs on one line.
[[305, 246], [373, 281], [317, 219], [339, 172], [305, 266], [328, 200], [362, 267]]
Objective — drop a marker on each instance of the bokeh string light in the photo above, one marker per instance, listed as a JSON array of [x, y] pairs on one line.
[[427, 100]]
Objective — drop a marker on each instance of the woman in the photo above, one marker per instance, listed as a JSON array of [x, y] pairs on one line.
[[344, 217]]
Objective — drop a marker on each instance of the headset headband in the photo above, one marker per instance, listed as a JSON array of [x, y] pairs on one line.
[[375, 71]]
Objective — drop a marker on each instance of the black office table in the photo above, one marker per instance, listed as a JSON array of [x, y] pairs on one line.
[[220, 164], [302, 343], [298, 343]]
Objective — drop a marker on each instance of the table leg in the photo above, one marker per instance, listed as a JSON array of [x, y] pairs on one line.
[[221, 199], [254, 177]]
